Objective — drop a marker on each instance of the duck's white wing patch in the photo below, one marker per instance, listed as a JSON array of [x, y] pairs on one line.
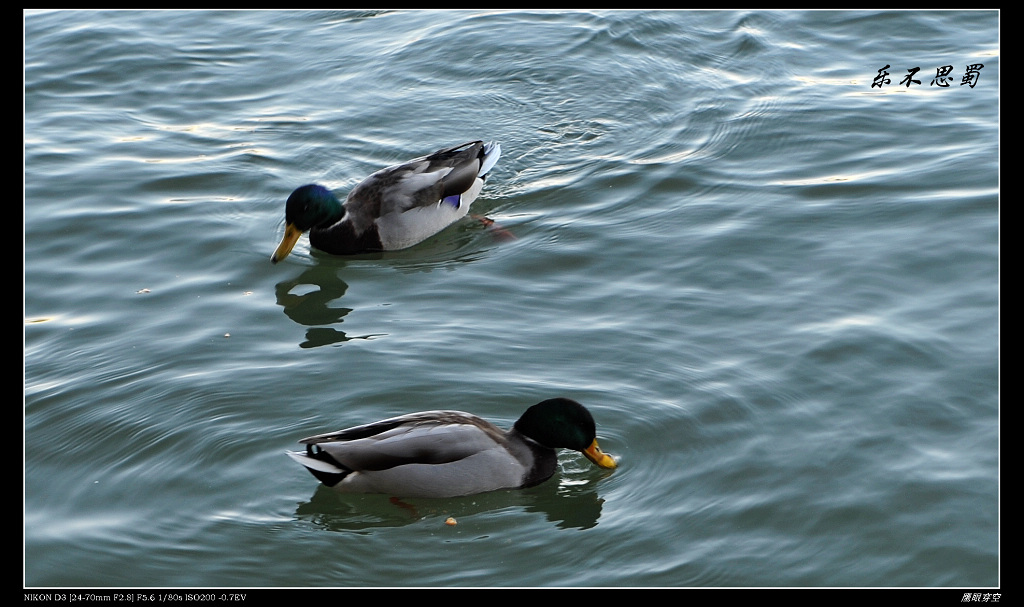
[[408, 191], [314, 464], [492, 151]]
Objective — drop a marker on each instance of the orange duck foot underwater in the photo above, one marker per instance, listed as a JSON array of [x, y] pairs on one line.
[[393, 208], [451, 453]]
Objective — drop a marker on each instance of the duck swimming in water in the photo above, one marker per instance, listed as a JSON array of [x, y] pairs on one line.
[[393, 208], [451, 453]]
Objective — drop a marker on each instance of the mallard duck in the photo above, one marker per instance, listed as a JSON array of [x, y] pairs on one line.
[[393, 208], [451, 453]]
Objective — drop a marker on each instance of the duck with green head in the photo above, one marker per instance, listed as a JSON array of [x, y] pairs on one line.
[[451, 453], [393, 208]]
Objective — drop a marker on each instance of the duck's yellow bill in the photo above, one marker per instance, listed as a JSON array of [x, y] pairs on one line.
[[602, 459], [291, 236]]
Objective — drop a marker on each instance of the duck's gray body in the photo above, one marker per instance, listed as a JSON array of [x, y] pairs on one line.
[[400, 206], [426, 454]]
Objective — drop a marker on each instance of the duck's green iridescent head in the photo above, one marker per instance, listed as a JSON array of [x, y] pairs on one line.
[[308, 207], [562, 422]]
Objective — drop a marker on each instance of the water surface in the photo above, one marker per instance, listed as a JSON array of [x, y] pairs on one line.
[[775, 286]]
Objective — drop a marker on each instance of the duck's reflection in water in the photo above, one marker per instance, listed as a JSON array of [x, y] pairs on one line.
[[567, 500], [310, 299]]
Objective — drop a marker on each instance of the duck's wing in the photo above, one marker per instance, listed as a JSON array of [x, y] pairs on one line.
[[431, 437], [420, 182]]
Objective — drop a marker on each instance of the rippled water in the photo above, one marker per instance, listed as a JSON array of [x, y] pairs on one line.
[[775, 285]]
